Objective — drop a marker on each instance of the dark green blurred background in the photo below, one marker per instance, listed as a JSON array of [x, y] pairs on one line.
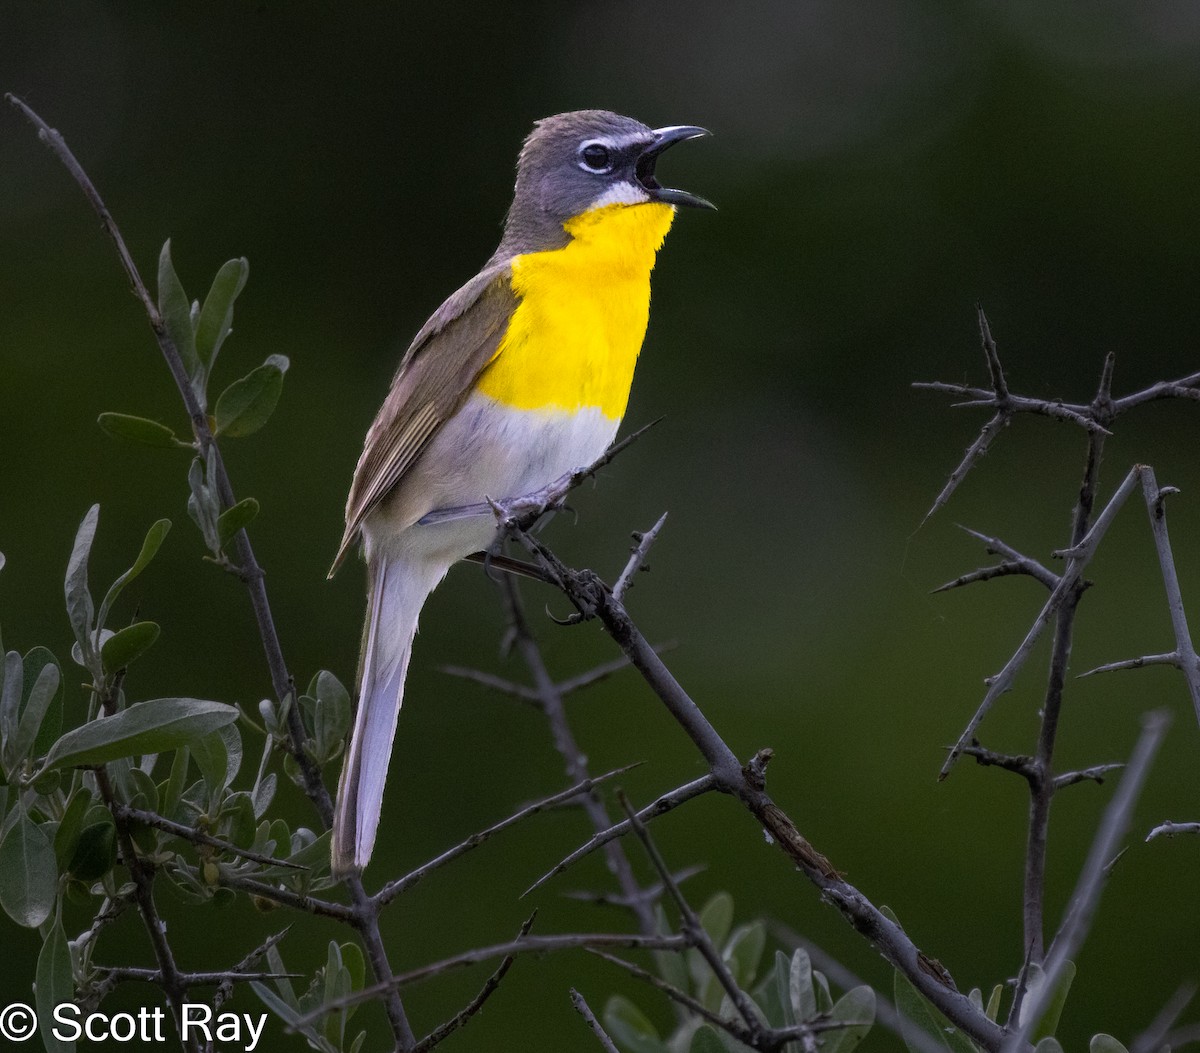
[[880, 167]]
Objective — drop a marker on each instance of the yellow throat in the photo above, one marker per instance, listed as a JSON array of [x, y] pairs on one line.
[[574, 338]]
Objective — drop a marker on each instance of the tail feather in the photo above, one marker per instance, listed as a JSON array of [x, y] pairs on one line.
[[397, 591]]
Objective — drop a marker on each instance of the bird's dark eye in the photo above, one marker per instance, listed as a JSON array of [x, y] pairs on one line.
[[595, 157]]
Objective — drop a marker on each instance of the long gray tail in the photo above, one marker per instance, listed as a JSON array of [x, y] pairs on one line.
[[397, 592]]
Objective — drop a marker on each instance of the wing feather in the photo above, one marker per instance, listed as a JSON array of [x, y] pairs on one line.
[[436, 375]]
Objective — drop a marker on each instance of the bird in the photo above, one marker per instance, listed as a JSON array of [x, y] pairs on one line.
[[519, 377]]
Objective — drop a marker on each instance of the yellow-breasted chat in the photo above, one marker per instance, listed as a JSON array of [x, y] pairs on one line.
[[522, 375]]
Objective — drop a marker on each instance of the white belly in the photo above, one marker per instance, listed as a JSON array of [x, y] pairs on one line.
[[486, 450]]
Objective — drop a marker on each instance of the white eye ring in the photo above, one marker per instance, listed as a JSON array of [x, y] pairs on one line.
[[595, 156]]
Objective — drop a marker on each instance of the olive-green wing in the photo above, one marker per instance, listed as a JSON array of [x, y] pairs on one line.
[[435, 377]]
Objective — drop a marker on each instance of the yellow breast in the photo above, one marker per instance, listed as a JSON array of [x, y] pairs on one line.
[[574, 337]]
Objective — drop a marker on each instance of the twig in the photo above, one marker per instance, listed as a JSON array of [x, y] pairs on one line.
[[492, 682], [1078, 557], [637, 558], [124, 974], [663, 804], [393, 888], [737, 1030], [250, 570], [1134, 663], [1096, 773], [585, 1011], [1170, 829], [143, 894], [976, 450], [585, 590], [574, 759], [1154, 1037], [521, 945], [285, 896], [442, 1031], [1086, 896], [692, 927], [1183, 388], [1029, 565], [1189, 664], [225, 989], [199, 837], [1020, 764]]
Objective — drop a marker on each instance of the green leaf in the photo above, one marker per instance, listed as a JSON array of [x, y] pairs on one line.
[[706, 1040], [1049, 1044], [28, 874], [993, 1006], [717, 917], [96, 851], [128, 644], [353, 963], [855, 1009], [55, 985], [176, 311], [629, 1026], [173, 788], [138, 429], [66, 837], [218, 755], [79, 600], [236, 518], [1034, 984], [1103, 1043], [743, 951], [12, 682], [246, 404], [150, 546], [216, 316], [332, 717], [40, 668], [146, 727], [916, 1012]]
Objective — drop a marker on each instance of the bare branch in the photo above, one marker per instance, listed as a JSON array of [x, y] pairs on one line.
[[1183, 388], [663, 804], [393, 888], [1020, 764], [1134, 663], [693, 929], [225, 989], [199, 837], [1170, 829], [492, 682], [442, 1031], [997, 547], [585, 1011], [1078, 557], [278, 894], [739, 1031], [1086, 896], [1153, 1038], [1096, 773], [1186, 652], [976, 450], [637, 558]]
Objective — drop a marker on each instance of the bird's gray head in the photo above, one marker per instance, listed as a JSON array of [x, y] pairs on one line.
[[586, 159]]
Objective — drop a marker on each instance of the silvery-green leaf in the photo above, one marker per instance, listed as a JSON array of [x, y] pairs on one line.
[[146, 727], [1103, 1043], [215, 321], [150, 546], [176, 311], [856, 1010], [55, 986], [28, 873], [79, 600]]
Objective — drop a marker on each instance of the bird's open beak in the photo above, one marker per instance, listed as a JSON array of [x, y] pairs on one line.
[[664, 138]]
